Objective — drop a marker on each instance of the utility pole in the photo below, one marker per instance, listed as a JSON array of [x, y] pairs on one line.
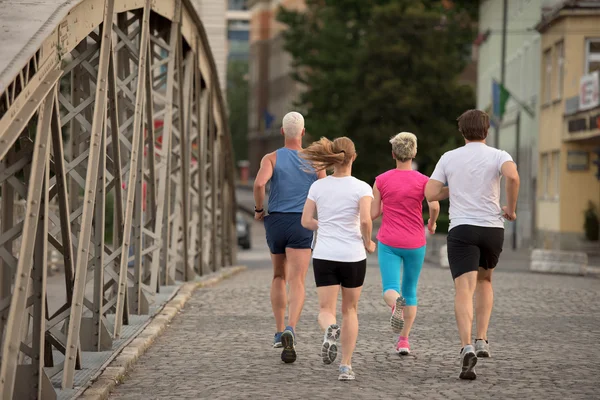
[[502, 66]]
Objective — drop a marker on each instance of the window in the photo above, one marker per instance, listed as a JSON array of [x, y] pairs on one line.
[[238, 5], [555, 174], [545, 175], [548, 76], [560, 68], [592, 55]]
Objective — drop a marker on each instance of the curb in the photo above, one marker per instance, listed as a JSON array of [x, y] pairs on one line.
[[114, 373]]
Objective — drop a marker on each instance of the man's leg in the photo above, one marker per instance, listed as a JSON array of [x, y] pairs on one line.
[[463, 305], [464, 255], [484, 301], [297, 266], [278, 291]]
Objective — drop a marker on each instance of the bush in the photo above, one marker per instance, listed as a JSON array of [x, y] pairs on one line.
[[591, 225]]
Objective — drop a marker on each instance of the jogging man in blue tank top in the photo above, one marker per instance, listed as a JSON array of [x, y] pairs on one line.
[[289, 242]]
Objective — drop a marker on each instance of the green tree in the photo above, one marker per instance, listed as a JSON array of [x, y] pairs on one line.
[[377, 67], [237, 100]]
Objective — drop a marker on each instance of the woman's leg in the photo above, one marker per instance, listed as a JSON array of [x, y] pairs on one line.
[[413, 263], [327, 304], [389, 266], [328, 287], [350, 298]]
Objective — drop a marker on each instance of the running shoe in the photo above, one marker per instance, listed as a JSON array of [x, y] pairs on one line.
[[329, 347], [402, 347], [288, 342], [397, 320], [468, 361], [277, 340], [482, 348], [346, 373]]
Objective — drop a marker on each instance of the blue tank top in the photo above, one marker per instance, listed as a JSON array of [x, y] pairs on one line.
[[290, 182]]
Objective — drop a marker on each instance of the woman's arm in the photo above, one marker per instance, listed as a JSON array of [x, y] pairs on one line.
[[376, 204], [366, 223], [308, 216]]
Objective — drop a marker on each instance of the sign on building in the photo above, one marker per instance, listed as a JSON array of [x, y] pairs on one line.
[[589, 91]]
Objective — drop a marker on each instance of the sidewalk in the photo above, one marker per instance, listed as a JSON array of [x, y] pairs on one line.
[[543, 334]]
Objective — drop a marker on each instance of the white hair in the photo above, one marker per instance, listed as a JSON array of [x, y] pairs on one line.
[[293, 124], [404, 146]]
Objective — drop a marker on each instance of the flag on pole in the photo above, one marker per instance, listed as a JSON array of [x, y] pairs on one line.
[[500, 97], [269, 118]]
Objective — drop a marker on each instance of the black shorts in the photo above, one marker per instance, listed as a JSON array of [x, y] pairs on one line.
[[471, 247], [348, 274], [284, 230]]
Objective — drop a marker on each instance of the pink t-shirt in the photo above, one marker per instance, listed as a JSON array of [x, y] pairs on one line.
[[402, 195]]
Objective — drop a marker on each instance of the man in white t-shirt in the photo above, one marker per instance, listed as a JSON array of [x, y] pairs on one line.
[[476, 235]]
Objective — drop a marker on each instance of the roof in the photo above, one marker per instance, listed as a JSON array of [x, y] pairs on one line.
[[566, 8]]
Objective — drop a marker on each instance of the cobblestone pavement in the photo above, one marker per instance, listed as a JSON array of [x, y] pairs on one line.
[[544, 335]]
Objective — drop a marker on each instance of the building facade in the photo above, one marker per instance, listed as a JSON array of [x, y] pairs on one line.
[[213, 14], [273, 92], [569, 123], [238, 30], [522, 66]]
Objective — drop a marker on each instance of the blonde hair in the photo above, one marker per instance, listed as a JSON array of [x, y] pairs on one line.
[[325, 154], [293, 124], [404, 146]]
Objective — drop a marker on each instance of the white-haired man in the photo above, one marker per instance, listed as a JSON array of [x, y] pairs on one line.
[[289, 242]]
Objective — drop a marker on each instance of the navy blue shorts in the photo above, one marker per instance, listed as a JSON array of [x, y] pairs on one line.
[[284, 230]]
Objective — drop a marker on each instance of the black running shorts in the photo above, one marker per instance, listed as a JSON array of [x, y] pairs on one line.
[[471, 247], [348, 274]]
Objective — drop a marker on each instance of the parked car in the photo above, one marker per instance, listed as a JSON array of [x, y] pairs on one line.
[[243, 231]]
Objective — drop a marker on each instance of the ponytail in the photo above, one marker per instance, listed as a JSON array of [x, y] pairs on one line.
[[325, 154]]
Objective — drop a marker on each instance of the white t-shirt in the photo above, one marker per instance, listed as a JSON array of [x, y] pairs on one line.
[[473, 173], [338, 236]]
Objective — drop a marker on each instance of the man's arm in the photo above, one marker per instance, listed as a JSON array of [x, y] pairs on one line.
[[435, 191], [376, 204], [509, 170], [265, 173]]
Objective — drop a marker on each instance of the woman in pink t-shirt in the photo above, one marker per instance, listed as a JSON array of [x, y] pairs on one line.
[[399, 195]]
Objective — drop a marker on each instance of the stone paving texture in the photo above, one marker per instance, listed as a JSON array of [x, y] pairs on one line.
[[544, 334]]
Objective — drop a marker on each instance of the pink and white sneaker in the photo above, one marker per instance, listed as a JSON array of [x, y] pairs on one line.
[[403, 347], [397, 320]]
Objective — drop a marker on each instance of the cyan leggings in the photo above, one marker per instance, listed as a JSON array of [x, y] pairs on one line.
[[394, 262]]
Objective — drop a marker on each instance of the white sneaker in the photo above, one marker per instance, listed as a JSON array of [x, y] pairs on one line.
[[482, 348], [329, 347], [346, 373], [468, 361]]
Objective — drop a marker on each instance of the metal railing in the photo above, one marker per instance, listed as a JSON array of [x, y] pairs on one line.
[[120, 105]]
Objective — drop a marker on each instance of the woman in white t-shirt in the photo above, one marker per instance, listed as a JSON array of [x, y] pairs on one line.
[[344, 227]]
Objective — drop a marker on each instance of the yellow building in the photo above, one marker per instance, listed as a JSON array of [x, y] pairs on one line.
[[569, 122]]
